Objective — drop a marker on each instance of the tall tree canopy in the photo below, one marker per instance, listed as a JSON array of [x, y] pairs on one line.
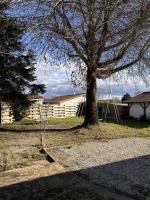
[[16, 66], [102, 37]]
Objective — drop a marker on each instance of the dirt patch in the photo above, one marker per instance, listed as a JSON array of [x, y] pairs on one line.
[[19, 150]]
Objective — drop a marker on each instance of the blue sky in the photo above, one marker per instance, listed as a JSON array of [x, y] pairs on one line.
[[57, 82]]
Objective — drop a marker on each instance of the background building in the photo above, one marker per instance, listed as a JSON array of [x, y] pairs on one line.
[[139, 106], [6, 115], [65, 106], [42, 109]]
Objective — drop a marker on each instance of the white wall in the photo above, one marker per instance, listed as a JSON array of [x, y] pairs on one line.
[[137, 111], [74, 102], [6, 113], [148, 112], [67, 108]]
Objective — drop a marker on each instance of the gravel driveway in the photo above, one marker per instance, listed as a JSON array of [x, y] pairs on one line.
[[119, 164]]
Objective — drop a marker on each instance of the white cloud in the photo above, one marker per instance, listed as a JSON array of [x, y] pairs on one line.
[[121, 86], [58, 82], [56, 79]]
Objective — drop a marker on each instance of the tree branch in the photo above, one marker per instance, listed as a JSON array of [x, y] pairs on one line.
[[71, 41], [102, 74]]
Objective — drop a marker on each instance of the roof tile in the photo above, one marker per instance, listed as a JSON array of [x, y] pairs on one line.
[[140, 98], [60, 99]]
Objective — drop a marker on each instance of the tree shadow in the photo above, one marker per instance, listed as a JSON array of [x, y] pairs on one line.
[[43, 129], [128, 178], [130, 122]]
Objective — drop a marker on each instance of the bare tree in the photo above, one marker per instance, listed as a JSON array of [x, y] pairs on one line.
[[102, 37]]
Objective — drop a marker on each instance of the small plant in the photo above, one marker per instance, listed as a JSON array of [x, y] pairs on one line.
[[28, 155], [7, 161]]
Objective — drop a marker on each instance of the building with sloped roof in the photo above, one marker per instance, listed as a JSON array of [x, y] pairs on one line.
[[67, 106], [73, 99], [42, 109], [139, 105]]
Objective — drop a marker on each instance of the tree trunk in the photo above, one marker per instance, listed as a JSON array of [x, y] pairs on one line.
[[91, 114]]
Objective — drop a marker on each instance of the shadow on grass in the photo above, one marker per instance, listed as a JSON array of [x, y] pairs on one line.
[[52, 129], [128, 178], [132, 123]]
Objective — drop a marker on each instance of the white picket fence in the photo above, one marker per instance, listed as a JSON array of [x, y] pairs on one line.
[[41, 112], [6, 114], [38, 112]]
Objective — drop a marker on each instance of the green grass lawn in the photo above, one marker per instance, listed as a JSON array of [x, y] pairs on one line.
[[127, 128], [105, 130], [68, 121], [22, 149], [32, 124]]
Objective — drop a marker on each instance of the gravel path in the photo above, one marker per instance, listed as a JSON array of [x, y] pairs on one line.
[[120, 164]]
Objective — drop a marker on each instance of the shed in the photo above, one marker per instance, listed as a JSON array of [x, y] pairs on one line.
[[139, 105], [69, 100], [68, 105]]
